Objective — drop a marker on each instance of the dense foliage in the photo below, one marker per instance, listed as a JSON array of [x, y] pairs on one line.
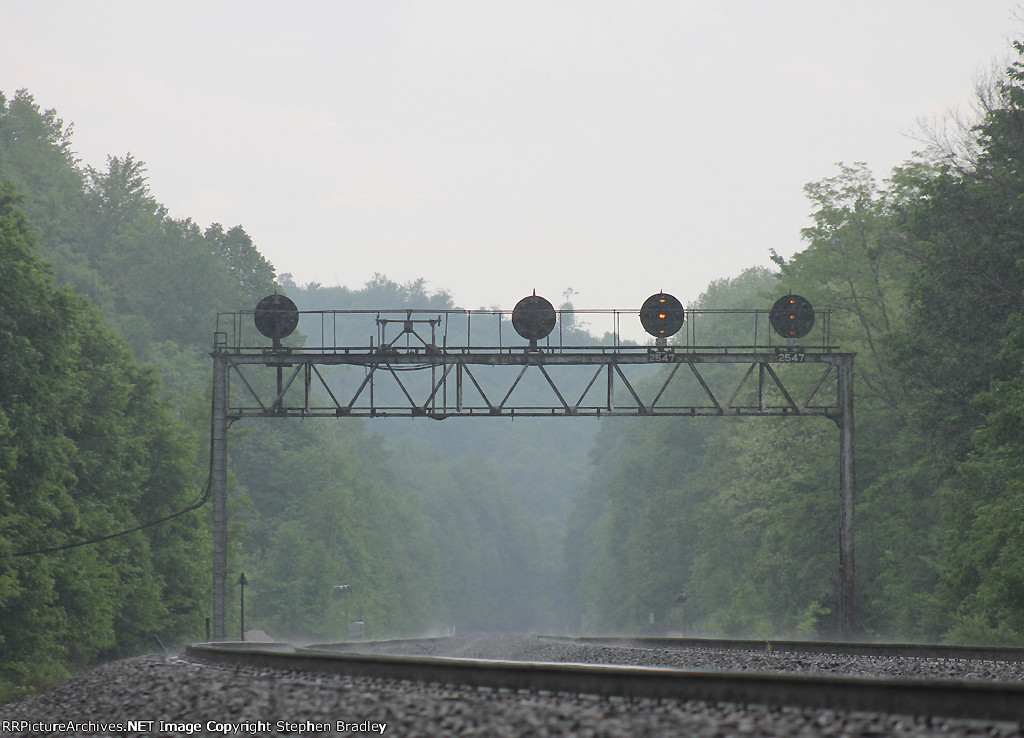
[[92, 443], [926, 273], [86, 449]]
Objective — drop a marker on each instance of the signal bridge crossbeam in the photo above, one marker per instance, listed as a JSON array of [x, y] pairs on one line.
[[455, 386], [413, 374], [448, 364]]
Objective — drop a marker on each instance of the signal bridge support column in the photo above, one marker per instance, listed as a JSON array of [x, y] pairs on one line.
[[846, 496], [219, 492]]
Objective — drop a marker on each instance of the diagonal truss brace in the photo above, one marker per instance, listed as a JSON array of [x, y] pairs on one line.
[[454, 388]]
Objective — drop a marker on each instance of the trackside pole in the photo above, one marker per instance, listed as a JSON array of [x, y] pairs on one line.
[[219, 493], [844, 420]]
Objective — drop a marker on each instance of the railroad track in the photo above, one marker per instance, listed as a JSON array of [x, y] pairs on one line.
[[966, 699], [846, 648]]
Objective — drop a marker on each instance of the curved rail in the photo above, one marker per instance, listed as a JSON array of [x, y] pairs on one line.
[[999, 701], [845, 648]]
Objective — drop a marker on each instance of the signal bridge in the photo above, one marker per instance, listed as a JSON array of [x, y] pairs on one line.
[[529, 362], [466, 363]]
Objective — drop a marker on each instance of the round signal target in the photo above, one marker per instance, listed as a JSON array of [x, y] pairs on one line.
[[276, 316], [533, 317]]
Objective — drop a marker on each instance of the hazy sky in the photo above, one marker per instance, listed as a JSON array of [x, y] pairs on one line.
[[616, 148]]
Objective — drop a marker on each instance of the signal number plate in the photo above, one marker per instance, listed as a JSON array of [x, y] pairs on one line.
[[789, 356]]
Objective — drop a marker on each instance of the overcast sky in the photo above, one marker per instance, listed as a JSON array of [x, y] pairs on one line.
[[617, 148]]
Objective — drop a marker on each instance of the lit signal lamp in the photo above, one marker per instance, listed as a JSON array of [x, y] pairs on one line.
[[792, 316], [662, 315]]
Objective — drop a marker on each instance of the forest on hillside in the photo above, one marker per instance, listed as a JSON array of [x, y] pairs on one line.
[[925, 272], [108, 310], [428, 530]]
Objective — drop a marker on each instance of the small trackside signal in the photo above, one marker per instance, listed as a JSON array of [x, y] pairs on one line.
[[662, 315], [792, 316]]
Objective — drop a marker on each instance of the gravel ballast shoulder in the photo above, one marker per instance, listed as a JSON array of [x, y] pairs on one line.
[[531, 648], [185, 697]]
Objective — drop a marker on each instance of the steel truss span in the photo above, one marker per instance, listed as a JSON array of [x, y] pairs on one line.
[[464, 364], [470, 364], [484, 383]]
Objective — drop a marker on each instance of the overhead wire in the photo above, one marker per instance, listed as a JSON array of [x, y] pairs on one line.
[[201, 499]]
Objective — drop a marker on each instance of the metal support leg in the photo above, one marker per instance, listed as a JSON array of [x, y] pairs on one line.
[[762, 394], [847, 626], [219, 493]]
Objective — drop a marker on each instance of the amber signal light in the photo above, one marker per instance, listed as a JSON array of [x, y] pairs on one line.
[[792, 316]]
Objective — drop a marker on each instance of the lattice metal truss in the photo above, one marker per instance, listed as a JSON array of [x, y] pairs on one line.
[[452, 384], [411, 374]]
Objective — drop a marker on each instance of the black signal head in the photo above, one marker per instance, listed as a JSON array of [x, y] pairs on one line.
[[276, 317], [662, 315], [533, 318], [792, 316]]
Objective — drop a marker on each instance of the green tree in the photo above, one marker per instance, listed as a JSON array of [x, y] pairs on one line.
[[488, 548], [959, 351], [88, 450], [254, 275], [339, 519], [38, 410]]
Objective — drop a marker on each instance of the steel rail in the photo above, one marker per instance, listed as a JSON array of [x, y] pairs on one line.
[[975, 700], [844, 648]]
